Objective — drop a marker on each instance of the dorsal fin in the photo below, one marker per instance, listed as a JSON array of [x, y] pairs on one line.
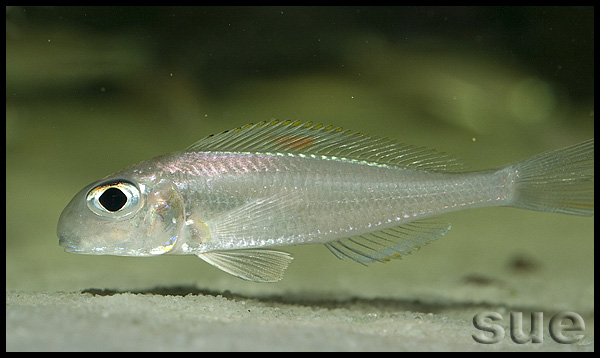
[[306, 138]]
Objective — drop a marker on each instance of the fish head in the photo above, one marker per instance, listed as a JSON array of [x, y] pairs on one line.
[[123, 216]]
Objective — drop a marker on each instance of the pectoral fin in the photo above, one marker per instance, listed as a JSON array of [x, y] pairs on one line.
[[252, 265]]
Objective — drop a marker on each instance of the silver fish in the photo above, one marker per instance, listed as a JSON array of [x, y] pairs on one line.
[[232, 197]]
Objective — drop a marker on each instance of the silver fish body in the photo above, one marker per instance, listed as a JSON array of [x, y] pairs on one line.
[[232, 197]]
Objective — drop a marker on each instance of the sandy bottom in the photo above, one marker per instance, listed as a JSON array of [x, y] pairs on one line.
[[188, 319]]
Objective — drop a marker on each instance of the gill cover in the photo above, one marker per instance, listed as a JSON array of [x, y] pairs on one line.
[[165, 217]]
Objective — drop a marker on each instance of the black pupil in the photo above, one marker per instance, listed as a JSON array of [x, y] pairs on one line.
[[113, 199]]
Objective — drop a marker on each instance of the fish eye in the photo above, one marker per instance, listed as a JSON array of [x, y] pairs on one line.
[[116, 199]]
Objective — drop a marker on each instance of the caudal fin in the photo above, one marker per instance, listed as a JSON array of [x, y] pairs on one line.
[[560, 181]]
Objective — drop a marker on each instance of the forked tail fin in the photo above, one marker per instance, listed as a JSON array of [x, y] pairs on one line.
[[559, 181]]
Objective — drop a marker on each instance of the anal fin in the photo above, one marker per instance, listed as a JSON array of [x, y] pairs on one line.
[[382, 246]]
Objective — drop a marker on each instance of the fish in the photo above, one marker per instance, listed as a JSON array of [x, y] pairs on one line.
[[236, 198]]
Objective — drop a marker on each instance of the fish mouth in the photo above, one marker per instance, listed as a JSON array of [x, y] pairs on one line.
[[70, 243], [101, 250], [69, 247], [72, 250]]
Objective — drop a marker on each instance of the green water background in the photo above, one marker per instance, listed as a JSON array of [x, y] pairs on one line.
[[92, 90]]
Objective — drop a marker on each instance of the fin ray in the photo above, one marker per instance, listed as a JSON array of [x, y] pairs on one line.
[[256, 265], [381, 246], [316, 139], [560, 181], [250, 218]]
